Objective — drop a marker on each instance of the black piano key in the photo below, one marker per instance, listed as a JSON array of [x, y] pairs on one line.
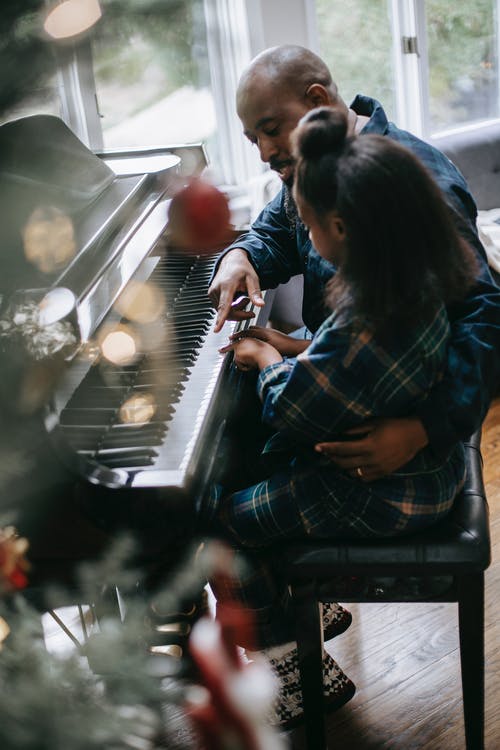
[[83, 439], [187, 315], [154, 376], [191, 340], [104, 417], [133, 439], [187, 358], [131, 461], [98, 396], [184, 328], [183, 347], [110, 454], [82, 417]]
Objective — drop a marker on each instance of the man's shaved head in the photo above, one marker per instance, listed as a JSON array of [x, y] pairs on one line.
[[288, 67], [275, 91]]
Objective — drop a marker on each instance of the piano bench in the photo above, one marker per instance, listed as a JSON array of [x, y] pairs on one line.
[[443, 563]]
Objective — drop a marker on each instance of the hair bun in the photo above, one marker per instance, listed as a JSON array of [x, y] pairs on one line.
[[320, 131]]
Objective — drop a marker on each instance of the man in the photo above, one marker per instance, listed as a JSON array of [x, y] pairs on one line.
[[279, 86]]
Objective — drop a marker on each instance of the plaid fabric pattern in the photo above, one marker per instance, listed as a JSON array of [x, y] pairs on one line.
[[346, 376], [279, 248], [343, 378]]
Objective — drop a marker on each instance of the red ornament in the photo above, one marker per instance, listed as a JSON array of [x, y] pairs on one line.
[[17, 579], [13, 563], [199, 217]]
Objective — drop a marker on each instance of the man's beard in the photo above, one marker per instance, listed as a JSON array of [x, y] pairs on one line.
[[289, 181], [278, 166], [291, 208]]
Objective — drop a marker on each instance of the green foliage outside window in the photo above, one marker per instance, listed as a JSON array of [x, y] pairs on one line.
[[356, 43], [463, 67], [150, 49], [26, 61], [165, 32]]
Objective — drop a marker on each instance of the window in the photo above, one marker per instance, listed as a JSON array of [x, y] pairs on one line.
[[152, 75], [139, 78], [433, 64], [148, 73], [356, 43], [463, 62], [155, 72]]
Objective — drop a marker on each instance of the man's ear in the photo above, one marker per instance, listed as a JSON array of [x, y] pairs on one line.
[[317, 95]]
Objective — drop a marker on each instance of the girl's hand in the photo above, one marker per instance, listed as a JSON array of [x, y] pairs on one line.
[[286, 345], [252, 354]]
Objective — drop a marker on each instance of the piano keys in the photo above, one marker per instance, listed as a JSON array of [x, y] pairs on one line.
[[174, 395]]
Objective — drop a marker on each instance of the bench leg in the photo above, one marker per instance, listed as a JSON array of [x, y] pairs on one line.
[[471, 628], [310, 654]]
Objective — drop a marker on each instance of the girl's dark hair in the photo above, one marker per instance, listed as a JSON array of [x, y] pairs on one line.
[[404, 255]]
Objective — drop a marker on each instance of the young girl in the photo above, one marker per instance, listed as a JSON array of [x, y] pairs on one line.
[[375, 213]]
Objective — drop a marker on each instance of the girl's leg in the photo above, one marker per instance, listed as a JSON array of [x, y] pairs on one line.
[[254, 521]]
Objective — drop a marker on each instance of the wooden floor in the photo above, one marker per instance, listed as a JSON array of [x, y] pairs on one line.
[[405, 662]]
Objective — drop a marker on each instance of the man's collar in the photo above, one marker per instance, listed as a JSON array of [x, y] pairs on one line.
[[368, 107]]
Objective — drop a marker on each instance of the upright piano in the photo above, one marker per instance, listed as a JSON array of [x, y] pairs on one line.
[[135, 406]]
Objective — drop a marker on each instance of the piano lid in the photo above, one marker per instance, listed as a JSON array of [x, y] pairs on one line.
[[41, 153], [59, 198], [42, 164]]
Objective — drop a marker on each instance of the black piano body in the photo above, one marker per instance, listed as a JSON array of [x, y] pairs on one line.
[[126, 441]]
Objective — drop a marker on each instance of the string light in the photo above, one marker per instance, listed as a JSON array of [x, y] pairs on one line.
[[119, 345], [141, 302], [138, 409], [49, 239], [72, 17]]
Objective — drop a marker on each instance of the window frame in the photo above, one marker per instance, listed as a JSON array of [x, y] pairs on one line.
[[79, 105], [236, 31], [412, 71]]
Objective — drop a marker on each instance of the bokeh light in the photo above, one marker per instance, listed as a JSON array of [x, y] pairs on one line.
[[72, 17], [139, 408], [119, 345], [4, 630], [49, 239], [141, 302]]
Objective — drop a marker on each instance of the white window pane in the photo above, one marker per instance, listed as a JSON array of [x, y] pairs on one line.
[[152, 76], [355, 42], [463, 61]]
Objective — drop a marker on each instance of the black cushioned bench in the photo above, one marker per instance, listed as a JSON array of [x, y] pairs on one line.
[[444, 563]]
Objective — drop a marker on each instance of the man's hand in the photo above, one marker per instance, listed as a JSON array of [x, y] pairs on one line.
[[252, 354], [235, 274], [387, 445], [286, 345]]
